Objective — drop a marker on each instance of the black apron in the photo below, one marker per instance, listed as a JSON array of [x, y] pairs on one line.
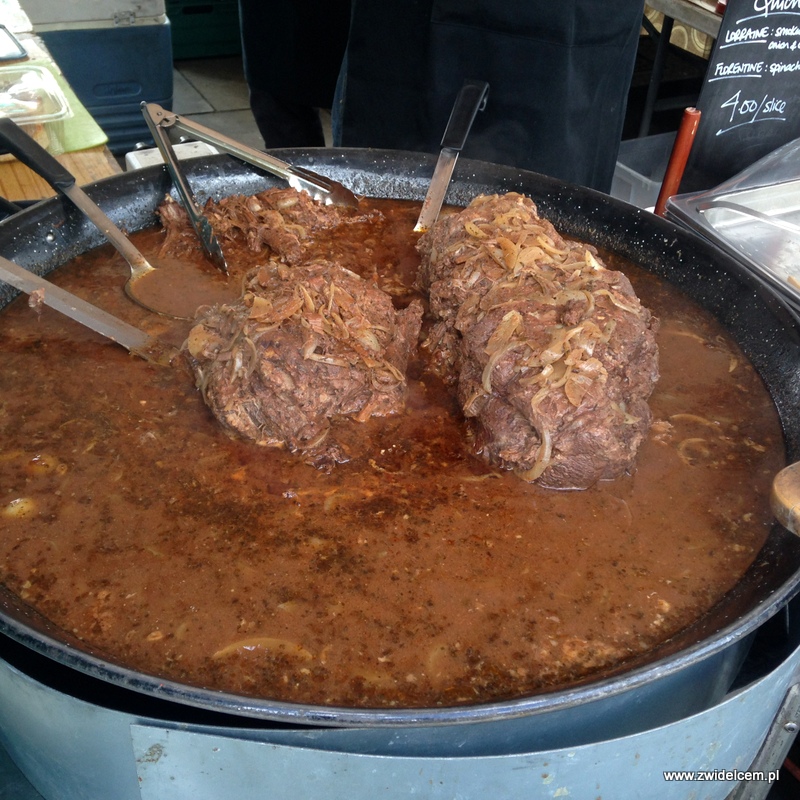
[[559, 75], [293, 50]]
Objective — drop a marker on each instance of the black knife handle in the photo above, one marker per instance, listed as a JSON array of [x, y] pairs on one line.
[[471, 99], [33, 155]]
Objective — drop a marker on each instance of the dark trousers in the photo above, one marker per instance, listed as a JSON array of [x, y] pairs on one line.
[[559, 75], [292, 52]]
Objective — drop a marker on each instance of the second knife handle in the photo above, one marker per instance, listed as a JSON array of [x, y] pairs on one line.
[[28, 151]]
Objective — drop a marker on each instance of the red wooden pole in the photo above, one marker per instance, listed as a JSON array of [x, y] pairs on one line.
[[678, 158]]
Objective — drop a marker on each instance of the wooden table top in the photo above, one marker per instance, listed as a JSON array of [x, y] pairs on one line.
[[18, 183]]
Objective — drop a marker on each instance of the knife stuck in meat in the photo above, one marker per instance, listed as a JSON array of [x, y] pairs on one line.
[[471, 99]]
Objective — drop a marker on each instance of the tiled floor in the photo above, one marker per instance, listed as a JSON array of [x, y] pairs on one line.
[[213, 92]]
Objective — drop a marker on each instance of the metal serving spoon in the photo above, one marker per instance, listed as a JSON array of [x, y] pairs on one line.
[[785, 498], [130, 337], [34, 156]]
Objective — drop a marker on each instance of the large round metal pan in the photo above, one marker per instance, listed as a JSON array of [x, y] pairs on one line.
[[686, 675]]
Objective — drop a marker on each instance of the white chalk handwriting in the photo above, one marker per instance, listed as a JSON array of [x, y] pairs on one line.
[[765, 8], [746, 110]]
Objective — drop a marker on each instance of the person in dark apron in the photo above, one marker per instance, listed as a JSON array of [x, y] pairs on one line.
[[559, 75], [292, 53]]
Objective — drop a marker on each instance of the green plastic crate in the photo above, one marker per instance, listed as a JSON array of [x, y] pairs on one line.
[[204, 28]]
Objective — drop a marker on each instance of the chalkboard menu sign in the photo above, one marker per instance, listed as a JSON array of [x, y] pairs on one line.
[[750, 100]]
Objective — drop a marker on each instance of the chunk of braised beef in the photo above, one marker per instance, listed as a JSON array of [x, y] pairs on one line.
[[304, 346], [552, 355]]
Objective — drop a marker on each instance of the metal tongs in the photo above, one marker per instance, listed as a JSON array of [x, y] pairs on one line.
[[201, 225], [162, 123]]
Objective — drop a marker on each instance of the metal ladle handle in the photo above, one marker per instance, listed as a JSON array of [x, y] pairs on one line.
[[30, 153]]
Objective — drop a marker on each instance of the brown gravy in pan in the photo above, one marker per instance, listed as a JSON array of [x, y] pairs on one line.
[[415, 574]]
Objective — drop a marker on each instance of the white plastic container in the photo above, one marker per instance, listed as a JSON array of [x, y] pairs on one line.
[[640, 169], [47, 15], [30, 96]]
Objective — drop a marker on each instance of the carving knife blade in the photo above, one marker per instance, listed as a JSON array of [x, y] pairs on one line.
[[130, 337], [470, 100]]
